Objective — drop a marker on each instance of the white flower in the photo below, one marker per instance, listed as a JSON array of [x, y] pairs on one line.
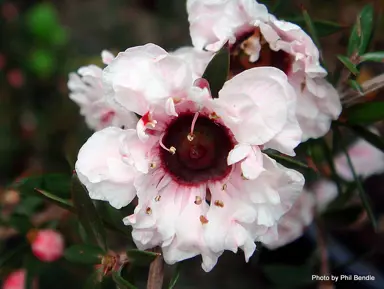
[[367, 161], [195, 163], [258, 39], [197, 59], [87, 91]]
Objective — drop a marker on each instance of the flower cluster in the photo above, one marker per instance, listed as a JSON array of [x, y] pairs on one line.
[[195, 161]]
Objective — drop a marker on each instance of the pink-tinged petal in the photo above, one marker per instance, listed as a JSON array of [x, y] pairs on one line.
[[274, 191], [252, 166], [143, 124], [238, 153], [366, 159], [212, 24], [170, 107], [196, 59], [107, 57], [101, 169], [243, 101]]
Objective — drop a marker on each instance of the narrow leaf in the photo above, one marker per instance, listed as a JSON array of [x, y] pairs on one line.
[[120, 281], [84, 254], [364, 198], [141, 258], [311, 27], [369, 136], [355, 85], [217, 71], [175, 277], [322, 27], [365, 113], [366, 22], [286, 159], [87, 214], [65, 204], [348, 64], [361, 32], [377, 56]]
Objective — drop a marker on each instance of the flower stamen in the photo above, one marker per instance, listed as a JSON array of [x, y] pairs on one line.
[[203, 220], [148, 211], [191, 135], [219, 203], [198, 200], [157, 198], [172, 149]]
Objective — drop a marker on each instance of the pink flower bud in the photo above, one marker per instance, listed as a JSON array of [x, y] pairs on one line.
[[47, 245], [16, 280]]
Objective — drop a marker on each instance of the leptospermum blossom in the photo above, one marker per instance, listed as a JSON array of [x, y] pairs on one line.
[[86, 90], [257, 38], [367, 161], [195, 163], [196, 58]]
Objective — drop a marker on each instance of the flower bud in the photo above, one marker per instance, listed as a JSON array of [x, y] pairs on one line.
[[16, 280], [47, 245]]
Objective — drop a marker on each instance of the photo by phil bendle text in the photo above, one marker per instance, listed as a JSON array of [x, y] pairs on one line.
[[343, 278]]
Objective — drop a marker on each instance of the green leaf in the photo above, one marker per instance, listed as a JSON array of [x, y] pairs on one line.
[[87, 214], [288, 276], [175, 277], [366, 22], [377, 56], [141, 258], [21, 223], [57, 184], [364, 198], [120, 281], [361, 32], [287, 160], [348, 64], [369, 136], [217, 71], [84, 254], [65, 204], [355, 85], [322, 27], [311, 27], [365, 113]]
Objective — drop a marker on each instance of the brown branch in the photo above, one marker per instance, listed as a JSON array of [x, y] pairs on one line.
[[324, 264], [156, 272]]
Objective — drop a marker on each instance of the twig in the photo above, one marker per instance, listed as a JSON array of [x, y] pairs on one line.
[[324, 266], [156, 272], [368, 86]]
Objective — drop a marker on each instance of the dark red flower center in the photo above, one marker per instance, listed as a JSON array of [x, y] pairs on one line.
[[239, 60], [199, 158]]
